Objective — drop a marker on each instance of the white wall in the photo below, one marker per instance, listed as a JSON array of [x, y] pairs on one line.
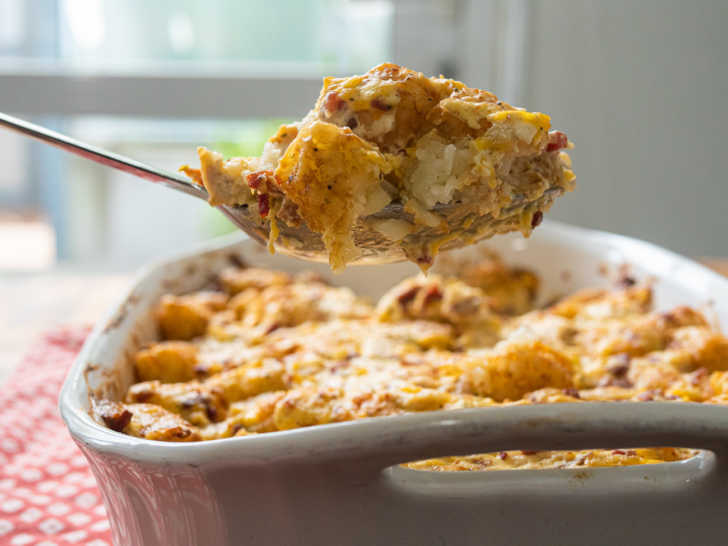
[[641, 87]]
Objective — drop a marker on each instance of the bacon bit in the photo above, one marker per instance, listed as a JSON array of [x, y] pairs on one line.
[[211, 411], [263, 205], [236, 260], [557, 141], [379, 105], [143, 395], [408, 295], [528, 452], [352, 123], [333, 102], [619, 370], [433, 293], [503, 455], [119, 421], [619, 452], [181, 433], [537, 218], [256, 179], [114, 415], [272, 328], [620, 366], [626, 281], [200, 370]]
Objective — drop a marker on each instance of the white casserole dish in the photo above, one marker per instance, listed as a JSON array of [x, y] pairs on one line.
[[336, 484]]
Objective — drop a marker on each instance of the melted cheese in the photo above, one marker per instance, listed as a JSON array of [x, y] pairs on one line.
[[272, 351], [393, 134]]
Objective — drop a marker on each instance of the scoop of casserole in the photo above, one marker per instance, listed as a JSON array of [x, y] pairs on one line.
[[462, 164]]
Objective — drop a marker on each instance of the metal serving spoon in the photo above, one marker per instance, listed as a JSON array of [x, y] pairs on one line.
[[298, 240]]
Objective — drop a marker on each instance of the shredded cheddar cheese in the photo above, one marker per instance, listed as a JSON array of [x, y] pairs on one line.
[[270, 351], [393, 135]]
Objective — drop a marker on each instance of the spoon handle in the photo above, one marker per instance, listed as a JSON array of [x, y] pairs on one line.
[[115, 161]]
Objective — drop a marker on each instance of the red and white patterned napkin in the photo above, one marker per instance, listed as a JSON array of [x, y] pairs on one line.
[[48, 496]]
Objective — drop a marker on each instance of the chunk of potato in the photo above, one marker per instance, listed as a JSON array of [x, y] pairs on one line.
[[146, 421], [167, 361], [192, 400], [515, 368]]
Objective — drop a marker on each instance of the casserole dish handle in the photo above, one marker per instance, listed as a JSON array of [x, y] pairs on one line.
[[587, 425]]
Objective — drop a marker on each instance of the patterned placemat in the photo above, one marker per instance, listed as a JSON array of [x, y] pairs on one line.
[[48, 496]]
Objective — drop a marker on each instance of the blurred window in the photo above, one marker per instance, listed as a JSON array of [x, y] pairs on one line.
[[153, 80]]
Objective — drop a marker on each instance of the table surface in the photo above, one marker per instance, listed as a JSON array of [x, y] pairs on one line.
[[34, 303]]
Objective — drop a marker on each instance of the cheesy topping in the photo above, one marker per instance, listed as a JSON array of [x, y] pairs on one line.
[[268, 351], [393, 135]]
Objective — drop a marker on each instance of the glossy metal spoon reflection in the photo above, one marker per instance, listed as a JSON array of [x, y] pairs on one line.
[[298, 241]]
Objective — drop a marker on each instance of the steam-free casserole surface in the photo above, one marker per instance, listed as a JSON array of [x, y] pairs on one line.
[[261, 351]]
